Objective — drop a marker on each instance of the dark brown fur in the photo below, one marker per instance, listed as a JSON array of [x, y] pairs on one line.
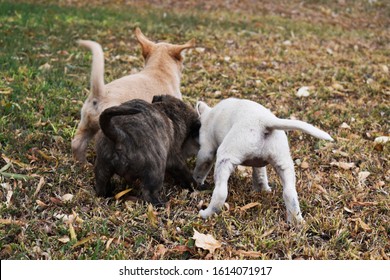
[[139, 140]]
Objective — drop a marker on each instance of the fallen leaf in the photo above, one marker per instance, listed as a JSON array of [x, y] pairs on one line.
[[341, 153], [122, 193], [320, 188], [345, 126], [337, 86], [206, 241], [64, 239], [83, 241], [304, 165], [249, 205], [151, 216], [343, 165], [385, 69], [251, 254], [41, 203], [365, 203], [364, 226], [382, 139], [40, 185], [268, 232], [72, 233], [160, 252], [348, 210], [67, 197], [11, 222], [362, 176], [45, 67], [109, 241], [303, 92], [8, 198]]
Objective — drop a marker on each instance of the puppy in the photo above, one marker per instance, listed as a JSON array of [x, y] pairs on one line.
[[242, 132], [139, 140], [162, 72]]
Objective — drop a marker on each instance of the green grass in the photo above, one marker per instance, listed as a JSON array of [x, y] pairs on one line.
[[263, 52]]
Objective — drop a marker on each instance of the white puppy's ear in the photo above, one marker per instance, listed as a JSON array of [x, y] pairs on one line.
[[201, 108]]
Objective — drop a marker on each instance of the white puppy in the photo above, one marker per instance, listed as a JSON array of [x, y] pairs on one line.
[[242, 132]]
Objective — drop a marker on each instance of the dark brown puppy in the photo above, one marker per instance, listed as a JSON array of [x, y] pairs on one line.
[[139, 140]]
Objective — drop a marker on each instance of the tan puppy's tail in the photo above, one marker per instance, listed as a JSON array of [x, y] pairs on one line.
[[284, 124], [97, 73]]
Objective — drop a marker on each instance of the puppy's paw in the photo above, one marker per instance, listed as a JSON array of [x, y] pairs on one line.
[[295, 220], [204, 187], [204, 214]]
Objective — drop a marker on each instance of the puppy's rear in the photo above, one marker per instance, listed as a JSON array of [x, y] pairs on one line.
[[140, 140]]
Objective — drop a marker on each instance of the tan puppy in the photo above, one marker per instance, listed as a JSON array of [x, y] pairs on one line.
[[161, 74]]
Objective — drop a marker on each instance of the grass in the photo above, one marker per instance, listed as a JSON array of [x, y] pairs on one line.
[[259, 51]]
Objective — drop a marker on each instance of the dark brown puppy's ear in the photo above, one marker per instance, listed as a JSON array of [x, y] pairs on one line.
[[194, 129], [157, 98]]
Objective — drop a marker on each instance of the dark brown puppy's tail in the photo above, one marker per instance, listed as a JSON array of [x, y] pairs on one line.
[[109, 128]]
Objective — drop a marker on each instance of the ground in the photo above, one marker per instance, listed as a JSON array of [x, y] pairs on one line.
[[247, 49]]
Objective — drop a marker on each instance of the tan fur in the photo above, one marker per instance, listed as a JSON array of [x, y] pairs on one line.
[[161, 75]]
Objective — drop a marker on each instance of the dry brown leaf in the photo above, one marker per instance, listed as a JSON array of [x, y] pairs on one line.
[[67, 197], [343, 165], [362, 176], [303, 92], [72, 233], [8, 198], [11, 222], [160, 252], [41, 203], [40, 185], [249, 205], [364, 226], [305, 165], [206, 241], [365, 203], [268, 232], [122, 193], [320, 188], [109, 241], [345, 126], [151, 216], [83, 241], [64, 239], [251, 254]]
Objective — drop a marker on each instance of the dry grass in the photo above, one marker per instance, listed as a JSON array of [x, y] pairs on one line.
[[247, 49]]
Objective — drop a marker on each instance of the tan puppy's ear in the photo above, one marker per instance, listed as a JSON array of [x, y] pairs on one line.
[[176, 50], [145, 43]]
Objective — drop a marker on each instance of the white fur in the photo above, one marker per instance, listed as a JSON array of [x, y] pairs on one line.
[[243, 132]]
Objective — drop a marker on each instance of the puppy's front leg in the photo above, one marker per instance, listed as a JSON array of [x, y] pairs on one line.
[[103, 174], [182, 174], [223, 168], [204, 162], [260, 179]]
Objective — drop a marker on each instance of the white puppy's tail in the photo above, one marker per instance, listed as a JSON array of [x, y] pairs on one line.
[[97, 73], [284, 124]]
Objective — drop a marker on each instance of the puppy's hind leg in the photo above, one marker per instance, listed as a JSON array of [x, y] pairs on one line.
[[284, 167], [80, 142], [260, 179]]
